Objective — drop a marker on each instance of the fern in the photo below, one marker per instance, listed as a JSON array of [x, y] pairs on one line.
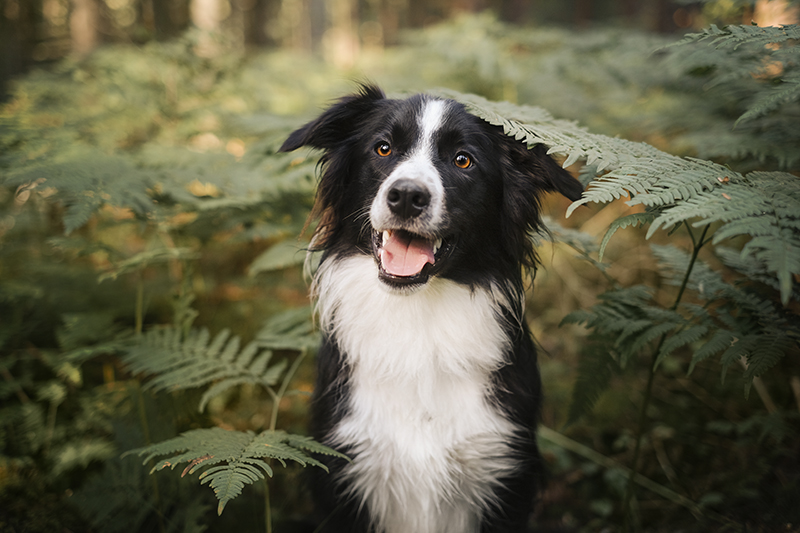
[[764, 205], [290, 330], [633, 219], [580, 241], [735, 36], [596, 367], [175, 506], [196, 360], [86, 180], [721, 340], [230, 460], [788, 91]]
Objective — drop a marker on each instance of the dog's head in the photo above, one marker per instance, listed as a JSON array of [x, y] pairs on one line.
[[427, 188]]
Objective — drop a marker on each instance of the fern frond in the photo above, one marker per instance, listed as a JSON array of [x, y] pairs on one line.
[[279, 256], [739, 347], [595, 370], [86, 179], [634, 219], [682, 338], [720, 341], [76, 454], [290, 330], [580, 241], [232, 459], [630, 318], [772, 346], [651, 334], [777, 97], [764, 205], [143, 259], [180, 363], [735, 36], [673, 264]]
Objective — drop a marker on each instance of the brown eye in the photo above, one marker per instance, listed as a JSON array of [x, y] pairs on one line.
[[383, 149], [462, 161]]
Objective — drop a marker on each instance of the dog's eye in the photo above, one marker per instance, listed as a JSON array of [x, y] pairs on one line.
[[462, 161], [383, 149]]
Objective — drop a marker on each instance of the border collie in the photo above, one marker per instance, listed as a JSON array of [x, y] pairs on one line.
[[427, 374]]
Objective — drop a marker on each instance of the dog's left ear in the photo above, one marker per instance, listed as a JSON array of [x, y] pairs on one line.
[[548, 175], [527, 175]]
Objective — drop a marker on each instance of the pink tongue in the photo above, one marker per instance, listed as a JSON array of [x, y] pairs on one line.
[[404, 256]]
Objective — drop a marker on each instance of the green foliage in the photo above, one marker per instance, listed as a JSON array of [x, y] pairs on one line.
[[762, 205], [195, 360], [232, 459], [147, 225], [752, 73]]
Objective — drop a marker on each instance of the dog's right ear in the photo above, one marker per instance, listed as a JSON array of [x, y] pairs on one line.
[[336, 123]]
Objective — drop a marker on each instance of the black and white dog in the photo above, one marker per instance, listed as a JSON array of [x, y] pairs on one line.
[[427, 374]]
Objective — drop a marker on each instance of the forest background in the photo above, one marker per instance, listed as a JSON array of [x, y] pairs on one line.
[[151, 246]]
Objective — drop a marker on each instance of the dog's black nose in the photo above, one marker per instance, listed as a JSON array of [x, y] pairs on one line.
[[407, 198]]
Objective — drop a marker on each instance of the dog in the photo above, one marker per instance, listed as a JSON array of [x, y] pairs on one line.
[[427, 373]]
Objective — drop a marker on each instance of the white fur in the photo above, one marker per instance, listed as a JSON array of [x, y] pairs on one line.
[[428, 444], [418, 167]]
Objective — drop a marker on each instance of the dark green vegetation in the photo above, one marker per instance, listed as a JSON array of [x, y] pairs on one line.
[[151, 290]]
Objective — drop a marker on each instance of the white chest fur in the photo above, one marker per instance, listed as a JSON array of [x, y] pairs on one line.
[[428, 445]]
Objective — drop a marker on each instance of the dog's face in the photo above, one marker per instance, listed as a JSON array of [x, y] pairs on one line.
[[427, 188]]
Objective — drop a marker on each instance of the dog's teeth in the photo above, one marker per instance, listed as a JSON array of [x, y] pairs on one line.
[[437, 245], [386, 235]]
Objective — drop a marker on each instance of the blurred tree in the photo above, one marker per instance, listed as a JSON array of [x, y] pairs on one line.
[[775, 12], [83, 22]]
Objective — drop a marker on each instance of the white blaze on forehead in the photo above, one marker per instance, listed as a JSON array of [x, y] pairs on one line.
[[429, 122], [419, 166]]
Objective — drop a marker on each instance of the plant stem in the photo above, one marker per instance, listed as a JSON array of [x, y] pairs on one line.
[[273, 423], [146, 433], [277, 397], [139, 318], [267, 507], [648, 391], [608, 463]]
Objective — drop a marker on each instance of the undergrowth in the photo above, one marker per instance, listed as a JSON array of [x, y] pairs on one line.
[[153, 306]]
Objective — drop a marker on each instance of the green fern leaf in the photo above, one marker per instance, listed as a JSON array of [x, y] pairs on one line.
[[595, 370], [720, 341], [290, 330], [143, 259], [285, 254], [735, 36], [580, 241], [639, 342], [86, 178], [687, 336], [633, 219], [739, 347], [193, 362], [232, 459], [771, 347], [787, 92]]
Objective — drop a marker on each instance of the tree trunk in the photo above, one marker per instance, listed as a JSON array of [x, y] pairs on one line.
[[775, 13], [83, 26]]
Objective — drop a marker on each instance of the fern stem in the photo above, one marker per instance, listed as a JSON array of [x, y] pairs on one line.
[[139, 305], [23, 398], [146, 434], [697, 244], [267, 507], [51, 425], [277, 397]]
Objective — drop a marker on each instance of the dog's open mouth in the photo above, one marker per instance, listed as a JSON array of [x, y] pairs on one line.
[[405, 258]]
